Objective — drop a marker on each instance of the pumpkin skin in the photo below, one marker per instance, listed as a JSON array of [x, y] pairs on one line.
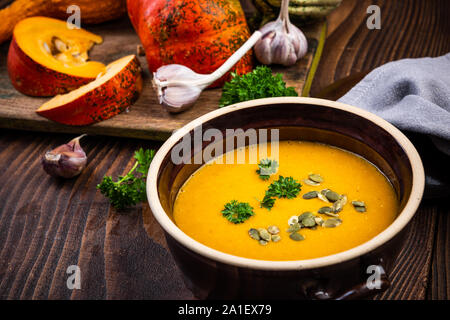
[[199, 34], [121, 89]]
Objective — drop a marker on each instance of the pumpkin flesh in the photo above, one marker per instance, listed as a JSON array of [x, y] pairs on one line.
[[47, 58]]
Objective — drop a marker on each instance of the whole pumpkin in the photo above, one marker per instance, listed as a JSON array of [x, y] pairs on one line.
[[200, 34]]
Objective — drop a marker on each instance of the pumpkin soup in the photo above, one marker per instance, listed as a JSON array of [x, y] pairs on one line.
[[313, 201]]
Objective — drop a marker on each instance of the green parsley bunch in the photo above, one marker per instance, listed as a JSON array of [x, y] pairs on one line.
[[129, 190], [260, 83]]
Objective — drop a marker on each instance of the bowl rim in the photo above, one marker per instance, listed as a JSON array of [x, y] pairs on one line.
[[418, 184]]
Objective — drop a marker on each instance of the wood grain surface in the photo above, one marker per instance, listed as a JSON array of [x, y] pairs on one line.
[[409, 29], [48, 224], [146, 119]]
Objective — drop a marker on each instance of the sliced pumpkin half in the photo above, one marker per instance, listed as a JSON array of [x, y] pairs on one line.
[[49, 56], [108, 95]]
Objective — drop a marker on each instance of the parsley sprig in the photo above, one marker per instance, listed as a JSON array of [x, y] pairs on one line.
[[282, 188], [129, 190], [267, 202], [237, 212], [260, 83], [267, 167]]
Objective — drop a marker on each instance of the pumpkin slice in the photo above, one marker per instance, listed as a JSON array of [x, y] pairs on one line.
[[46, 57], [108, 95]]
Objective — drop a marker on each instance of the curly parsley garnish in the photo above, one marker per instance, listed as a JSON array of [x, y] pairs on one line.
[[237, 212], [267, 202], [260, 83], [267, 167], [129, 190], [282, 188]]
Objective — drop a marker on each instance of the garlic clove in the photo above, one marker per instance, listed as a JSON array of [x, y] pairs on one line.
[[67, 160], [179, 98], [300, 42], [263, 50]]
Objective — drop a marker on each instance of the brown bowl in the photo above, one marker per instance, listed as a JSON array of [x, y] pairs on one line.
[[210, 273]]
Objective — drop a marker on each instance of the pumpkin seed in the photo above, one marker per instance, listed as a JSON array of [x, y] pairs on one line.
[[276, 238], [325, 210], [337, 207], [294, 228], [309, 222], [331, 195], [359, 206], [254, 234], [264, 234], [59, 44], [293, 220], [319, 220], [273, 230], [310, 195], [307, 219], [339, 204], [322, 197], [332, 223], [263, 242], [358, 203], [315, 177], [296, 236], [311, 183], [305, 215]]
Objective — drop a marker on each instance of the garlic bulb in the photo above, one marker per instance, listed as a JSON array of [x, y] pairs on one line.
[[67, 160], [178, 87], [282, 42]]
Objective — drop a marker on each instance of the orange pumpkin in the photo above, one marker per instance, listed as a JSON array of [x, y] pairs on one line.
[[200, 34]]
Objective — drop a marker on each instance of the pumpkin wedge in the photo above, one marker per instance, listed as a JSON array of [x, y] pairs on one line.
[[108, 95], [46, 57]]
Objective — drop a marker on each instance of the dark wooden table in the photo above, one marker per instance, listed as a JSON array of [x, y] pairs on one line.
[[47, 224]]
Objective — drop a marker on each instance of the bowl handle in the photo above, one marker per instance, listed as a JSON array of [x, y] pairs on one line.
[[364, 289]]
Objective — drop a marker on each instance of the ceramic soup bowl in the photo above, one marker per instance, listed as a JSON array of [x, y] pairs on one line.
[[212, 274]]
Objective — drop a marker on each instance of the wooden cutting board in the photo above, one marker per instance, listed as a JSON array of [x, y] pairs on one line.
[[146, 119]]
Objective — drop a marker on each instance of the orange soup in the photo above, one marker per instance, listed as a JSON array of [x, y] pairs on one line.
[[367, 204]]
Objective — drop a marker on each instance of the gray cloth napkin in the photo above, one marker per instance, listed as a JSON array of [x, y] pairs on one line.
[[412, 94]]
